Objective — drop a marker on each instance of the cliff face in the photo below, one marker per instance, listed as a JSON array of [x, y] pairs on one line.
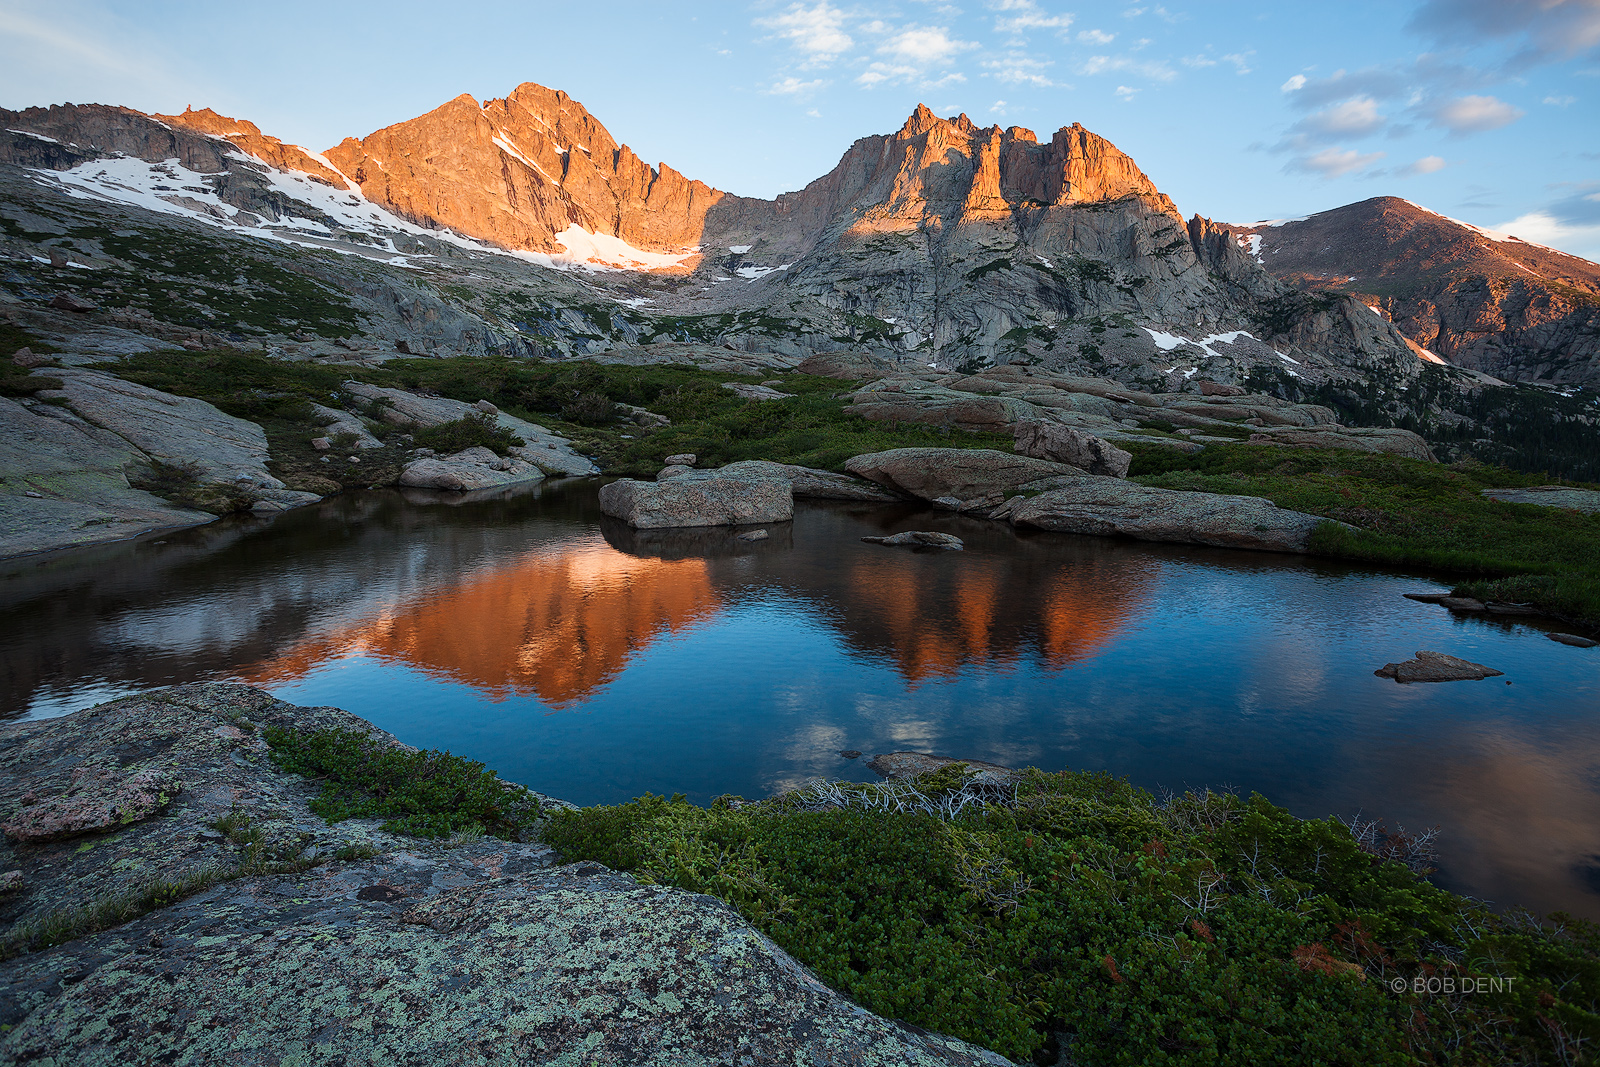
[[521, 170], [1488, 301], [248, 136]]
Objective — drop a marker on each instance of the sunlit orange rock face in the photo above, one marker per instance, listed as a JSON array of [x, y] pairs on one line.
[[559, 627], [248, 136]]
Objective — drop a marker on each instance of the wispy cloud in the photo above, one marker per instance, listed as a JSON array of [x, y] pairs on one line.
[[1021, 16], [1542, 30], [1425, 165], [1019, 68], [1099, 37], [927, 46], [1156, 69], [792, 86], [1473, 114], [1333, 162]]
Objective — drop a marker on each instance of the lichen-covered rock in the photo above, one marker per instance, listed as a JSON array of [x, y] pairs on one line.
[[1076, 448], [1551, 496], [1113, 507], [468, 470], [698, 498], [208, 737], [474, 955], [91, 800], [964, 474], [1436, 667], [746, 391], [1358, 438]]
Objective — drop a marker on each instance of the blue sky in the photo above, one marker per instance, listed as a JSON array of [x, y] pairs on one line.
[[1486, 110]]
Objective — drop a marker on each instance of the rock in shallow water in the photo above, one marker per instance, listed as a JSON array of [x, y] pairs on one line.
[[1436, 667], [919, 539], [698, 498], [1574, 640], [468, 470]]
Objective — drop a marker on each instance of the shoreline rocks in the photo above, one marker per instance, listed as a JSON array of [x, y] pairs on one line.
[[698, 498], [468, 470], [973, 477], [1110, 506], [478, 947]]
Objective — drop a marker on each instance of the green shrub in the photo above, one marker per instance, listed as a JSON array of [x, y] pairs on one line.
[[475, 430], [589, 409], [425, 794], [1075, 910]]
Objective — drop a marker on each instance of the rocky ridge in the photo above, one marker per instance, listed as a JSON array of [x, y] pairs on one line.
[[1482, 300]]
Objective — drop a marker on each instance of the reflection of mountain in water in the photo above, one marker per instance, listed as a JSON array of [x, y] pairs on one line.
[[558, 623], [1004, 599]]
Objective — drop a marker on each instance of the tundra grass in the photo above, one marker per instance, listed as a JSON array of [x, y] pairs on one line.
[[1076, 919], [1410, 513]]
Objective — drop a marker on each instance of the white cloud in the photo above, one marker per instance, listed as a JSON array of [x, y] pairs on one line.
[[1019, 16], [813, 113], [1294, 83], [1474, 114], [817, 31], [1099, 37], [794, 85], [1425, 165], [1126, 94], [1352, 118], [1333, 163], [1019, 68], [927, 46], [1154, 69], [1541, 227], [1240, 61], [997, 108], [1560, 101]]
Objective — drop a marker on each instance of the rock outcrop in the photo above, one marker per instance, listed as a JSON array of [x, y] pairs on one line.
[[919, 539], [550, 452], [1551, 496], [468, 470], [420, 952], [1075, 448], [1113, 507], [973, 476], [807, 483], [699, 498]]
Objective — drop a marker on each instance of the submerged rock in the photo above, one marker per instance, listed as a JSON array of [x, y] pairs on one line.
[[1436, 667], [1574, 640], [1111, 506], [919, 539], [698, 498]]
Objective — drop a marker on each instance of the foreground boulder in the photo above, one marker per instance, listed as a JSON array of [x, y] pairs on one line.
[[971, 476], [1357, 438], [1076, 448], [698, 498], [1436, 667], [468, 470], [475, 950], [1111, 506]]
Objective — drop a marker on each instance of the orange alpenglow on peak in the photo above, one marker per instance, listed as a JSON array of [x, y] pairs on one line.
[[248, 136]]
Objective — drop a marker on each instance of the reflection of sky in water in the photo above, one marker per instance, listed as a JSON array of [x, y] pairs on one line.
[[693, 663]]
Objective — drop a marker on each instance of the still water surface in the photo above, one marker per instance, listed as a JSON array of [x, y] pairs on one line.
[[594, 663]]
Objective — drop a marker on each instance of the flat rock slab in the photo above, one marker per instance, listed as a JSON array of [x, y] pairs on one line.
[[965, 474], [1357, 438], [698, 498], [1436, 667], [104, 800], [1076, 448], [476, 956], [1113, 507], [747, 391], [807, 483], [1551, 496], [919, 539]]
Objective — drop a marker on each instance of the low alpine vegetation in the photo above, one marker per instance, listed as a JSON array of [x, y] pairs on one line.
[[424, 793], [1075, 914]]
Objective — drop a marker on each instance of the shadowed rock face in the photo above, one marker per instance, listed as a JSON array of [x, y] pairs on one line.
[[1512, 309]]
